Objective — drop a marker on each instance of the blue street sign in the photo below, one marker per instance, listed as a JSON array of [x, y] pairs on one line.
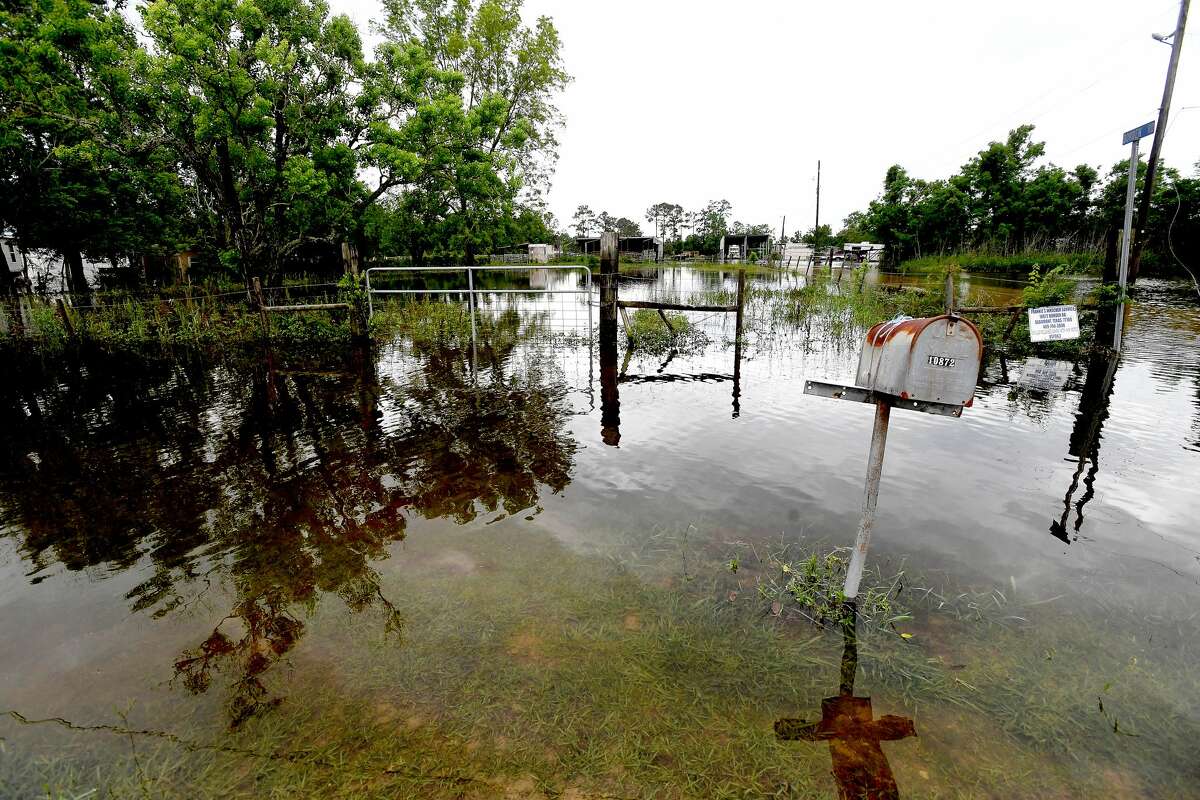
[[1138, 133]]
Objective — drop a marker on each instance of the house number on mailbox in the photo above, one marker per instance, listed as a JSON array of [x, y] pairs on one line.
[[941, 361]]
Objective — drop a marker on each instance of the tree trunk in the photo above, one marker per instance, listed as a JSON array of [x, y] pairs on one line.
[[76, 280], [1106, 318], [8, 278]]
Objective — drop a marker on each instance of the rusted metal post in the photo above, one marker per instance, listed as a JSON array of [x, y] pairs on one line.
[[858, 558]]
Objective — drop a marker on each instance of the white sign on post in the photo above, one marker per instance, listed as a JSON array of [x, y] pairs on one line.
[[1053, 323]]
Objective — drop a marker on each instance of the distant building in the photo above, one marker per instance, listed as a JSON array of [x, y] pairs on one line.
[[542, 253], [641, 248], [14, 259], [863, 251], [795, 253], [528, 251], [745, 247]]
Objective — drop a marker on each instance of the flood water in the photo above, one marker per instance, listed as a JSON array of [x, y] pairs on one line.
[[430, 572]]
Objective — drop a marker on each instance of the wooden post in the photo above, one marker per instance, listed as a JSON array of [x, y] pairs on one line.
[[737, 342], [349, 259], [741, 303], [1012, 323], [262, 308], [66, 319], [626, 324], [609, 268], [949, 292], [610, 403]]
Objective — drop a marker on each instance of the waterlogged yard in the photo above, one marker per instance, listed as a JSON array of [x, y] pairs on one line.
[[520, 570]]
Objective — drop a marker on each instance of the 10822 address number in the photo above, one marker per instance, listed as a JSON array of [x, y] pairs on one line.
[[941, 361]]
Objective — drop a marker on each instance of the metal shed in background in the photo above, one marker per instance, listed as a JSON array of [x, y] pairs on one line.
[[744, 247], [633, 248]]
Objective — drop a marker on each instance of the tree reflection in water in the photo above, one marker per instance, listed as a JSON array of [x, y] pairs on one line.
[[279, 485]]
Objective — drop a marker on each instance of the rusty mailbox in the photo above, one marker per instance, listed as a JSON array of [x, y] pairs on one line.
[[928, 360], [929, 364]]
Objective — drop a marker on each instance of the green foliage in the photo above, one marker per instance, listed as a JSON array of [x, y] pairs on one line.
[[1018, 264], [286, 135], [1007, 209], [80, 171], [648, 334], [1048, 289], [812, 588], [260, 103], [494, 138], [667, 219]]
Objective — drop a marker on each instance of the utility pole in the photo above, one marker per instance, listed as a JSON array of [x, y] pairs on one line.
[[817, 221], [1135, 260], [1131, 138]]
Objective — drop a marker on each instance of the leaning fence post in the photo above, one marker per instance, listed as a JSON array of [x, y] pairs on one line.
[[66, 319]]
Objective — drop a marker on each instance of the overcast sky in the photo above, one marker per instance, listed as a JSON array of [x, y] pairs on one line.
[[687, 101]]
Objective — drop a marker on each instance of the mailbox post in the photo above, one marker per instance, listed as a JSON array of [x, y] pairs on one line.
[[929, 365]]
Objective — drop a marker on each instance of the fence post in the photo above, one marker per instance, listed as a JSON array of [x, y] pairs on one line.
[[349, 259], [741, 305], [66, 319], [737, 342], [471, 308], [610, 402], [609, 267], [262, 308], [949, 292]]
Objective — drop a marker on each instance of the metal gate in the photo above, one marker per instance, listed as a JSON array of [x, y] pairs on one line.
[[472, 293]]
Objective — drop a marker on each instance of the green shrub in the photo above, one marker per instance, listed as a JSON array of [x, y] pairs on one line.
[[1020, 264]]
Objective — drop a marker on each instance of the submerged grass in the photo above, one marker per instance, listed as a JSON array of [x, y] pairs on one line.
[[649, 333], [121, 321], [531, 672]]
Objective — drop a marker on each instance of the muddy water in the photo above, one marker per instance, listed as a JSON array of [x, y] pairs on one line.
[[399, 575]]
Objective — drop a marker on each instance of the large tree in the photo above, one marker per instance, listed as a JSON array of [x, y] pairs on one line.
[[585, 221], [508, 76], [277, 119], [79, 171], [667, 219], [1003, 199]]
